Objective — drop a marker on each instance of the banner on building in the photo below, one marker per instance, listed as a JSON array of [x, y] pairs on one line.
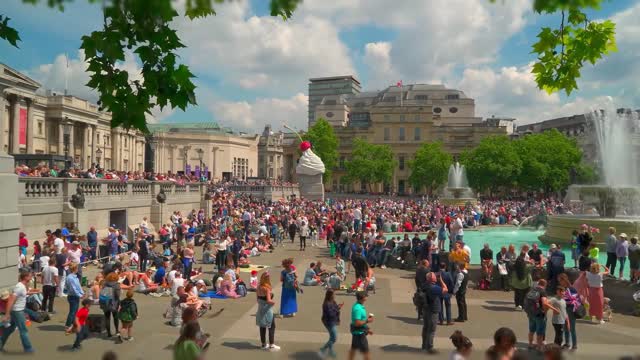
[[23, 127], [198, 171]]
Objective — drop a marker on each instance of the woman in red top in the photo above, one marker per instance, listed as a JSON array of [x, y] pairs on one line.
[[80, 326], [23, 243]]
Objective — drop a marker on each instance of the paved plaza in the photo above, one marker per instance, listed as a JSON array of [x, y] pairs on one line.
[[234, 334]]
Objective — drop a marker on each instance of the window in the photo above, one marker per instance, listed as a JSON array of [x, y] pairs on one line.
[[422, 97], [416, 134], [271, 158], [437, 110], [416, 118], [330, 102], [453, 97], [401, 134], [329, 114], [40, 128], [453, 110], [387, 134], [359, 104], [387, 118], [402, 117], [342, 162], [401, 162]]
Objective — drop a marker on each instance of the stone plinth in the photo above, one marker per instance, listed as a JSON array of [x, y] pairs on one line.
[[9, 223], [560, 227], [311, 187]]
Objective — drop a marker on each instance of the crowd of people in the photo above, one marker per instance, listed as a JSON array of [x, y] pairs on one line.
[[162, 262]]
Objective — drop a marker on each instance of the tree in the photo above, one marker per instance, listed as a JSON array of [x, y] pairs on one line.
[[370, 163], [585, 174], [143, 26], [548, 160], [324, 144], [493, 164], [430, 167]]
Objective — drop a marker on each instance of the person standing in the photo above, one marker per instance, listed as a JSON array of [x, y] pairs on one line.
[[359, 327], [304, 233], [288, 277], [634, 259], [330, 320], [622, 253], [143, 252], [521, 281], [264, 317], [433, 293], [92, 241], [49, 279], [127, 314], [15, 312], [559, 319], [611, 243], [596, 293], [23, 243], [445, 301], [221, 255], [74, 294], [460, 291], [80, 324], [573, 301], [536, 307], [293, 228], [110, 301]]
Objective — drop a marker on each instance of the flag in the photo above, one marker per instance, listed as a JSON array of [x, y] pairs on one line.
[[399, 84]]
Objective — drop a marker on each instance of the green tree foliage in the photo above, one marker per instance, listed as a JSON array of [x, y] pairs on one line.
[[585, 174], [548, 160], [144, 27], [493, 165], [370, 163], [324, 144], [430, 167]]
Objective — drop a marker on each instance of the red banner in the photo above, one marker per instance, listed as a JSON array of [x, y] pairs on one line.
[[23, 126]]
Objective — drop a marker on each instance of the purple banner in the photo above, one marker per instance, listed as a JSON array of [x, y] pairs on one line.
[[187, 169], [206, 172], [198, 171]]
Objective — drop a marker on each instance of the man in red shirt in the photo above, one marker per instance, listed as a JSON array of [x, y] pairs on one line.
[[80, 326]]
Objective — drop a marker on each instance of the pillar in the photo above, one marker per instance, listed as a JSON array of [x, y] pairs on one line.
[[72, 148], [15, 125], [94, 140], [85, 164], [174, 150], [60, 138], [214, 151], [30, 126], [3, 104]]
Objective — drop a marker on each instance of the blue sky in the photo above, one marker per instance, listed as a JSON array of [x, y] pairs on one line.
[[253, 69]]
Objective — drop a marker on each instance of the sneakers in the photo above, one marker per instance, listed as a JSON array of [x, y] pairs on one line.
[[519, 308], [130, 338], [382, 267], [155, 294], [274, 347], [322, 354], [264, 347]]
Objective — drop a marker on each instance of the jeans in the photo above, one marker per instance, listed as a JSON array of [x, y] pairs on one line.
[[107, 321], [445, 309], [74, 305], [572, 331], [272, 333], [557, 338], [429, 330], [622, 261], [143, 263], [611, 262], [92, 253], [519, 295], [82, 334], [333, 336], [48, 295], [221, 259], [303, 242], [18, 320], [383, 256], [461, 300]]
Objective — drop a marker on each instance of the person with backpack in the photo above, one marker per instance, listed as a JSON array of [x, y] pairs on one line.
[[109, 301], [536, 306], [575, 310], [127, 314], [288, 277]]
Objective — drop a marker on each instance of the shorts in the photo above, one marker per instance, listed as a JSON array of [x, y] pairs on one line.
[[360, 343], [537, 325]]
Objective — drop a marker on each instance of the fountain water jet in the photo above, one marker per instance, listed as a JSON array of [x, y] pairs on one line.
[[457, 191]]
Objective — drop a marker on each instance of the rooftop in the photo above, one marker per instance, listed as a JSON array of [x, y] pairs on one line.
[[332, 78], [209, 127]]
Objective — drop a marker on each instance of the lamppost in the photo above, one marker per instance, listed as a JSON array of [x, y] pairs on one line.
[[98, 156], [251, 172], [200, 157], [67, 127]]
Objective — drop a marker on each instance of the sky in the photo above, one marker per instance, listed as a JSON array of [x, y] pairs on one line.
[[253, 69]]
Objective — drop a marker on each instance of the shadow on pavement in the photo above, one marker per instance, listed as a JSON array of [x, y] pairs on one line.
[[498, 308], [401, 348], [51, 327], [304, 355], [497, 302], [241, 345], [65, 348], [408, 320]]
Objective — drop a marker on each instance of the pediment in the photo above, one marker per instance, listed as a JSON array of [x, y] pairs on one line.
[[20, 79]]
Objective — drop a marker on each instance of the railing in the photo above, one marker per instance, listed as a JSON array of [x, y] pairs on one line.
[[63, 188], [267, 191]]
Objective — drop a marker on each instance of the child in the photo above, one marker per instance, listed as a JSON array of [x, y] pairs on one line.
[[594, 252], [127, 314], [80, 325], [253, 281], [560, 319], [606, 309], [463, 346]]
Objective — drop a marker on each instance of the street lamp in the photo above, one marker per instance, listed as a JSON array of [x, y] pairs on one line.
[[98, 156], [67, 127]]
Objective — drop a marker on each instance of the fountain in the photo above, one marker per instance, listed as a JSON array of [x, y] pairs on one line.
[[458, 191], [616, 200]]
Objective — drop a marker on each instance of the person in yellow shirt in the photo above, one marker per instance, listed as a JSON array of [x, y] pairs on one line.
[[459, 256]]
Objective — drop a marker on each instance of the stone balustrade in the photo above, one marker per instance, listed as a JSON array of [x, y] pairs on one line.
[[268, 192]]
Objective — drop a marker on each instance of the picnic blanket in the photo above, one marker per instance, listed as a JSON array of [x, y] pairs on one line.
[[253, 267], [213, 295]]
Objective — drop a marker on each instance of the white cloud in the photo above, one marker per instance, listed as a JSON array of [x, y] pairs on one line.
[[253, 116], [265, 53]]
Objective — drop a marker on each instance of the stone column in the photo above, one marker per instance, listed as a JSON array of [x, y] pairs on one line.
[[3, 103], [10, 218], [30, 126], [174, 150], [15, 124], [214, 153], [85, 164], [60, 138], [72, 149], [94, 140]]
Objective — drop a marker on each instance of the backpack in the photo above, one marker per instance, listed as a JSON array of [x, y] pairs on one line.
[[334, 282], [289, 280], [106, 298], [241, 289], [533, 303], [127, 311]]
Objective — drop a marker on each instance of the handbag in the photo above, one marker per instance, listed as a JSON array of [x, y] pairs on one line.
[[502, 269]]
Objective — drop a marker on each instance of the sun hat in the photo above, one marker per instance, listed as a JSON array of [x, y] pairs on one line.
[[4, 295], [554, 246], [623, 235]]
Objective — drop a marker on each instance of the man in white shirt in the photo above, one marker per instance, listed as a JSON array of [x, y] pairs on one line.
[[58, 243], [459, 227], [177, 282], [15, 312], [49, 279]]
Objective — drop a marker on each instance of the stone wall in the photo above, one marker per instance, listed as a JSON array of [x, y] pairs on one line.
[[268, 192], [9, 222]]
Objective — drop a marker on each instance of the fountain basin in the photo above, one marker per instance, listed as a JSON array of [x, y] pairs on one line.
[[560, 227]]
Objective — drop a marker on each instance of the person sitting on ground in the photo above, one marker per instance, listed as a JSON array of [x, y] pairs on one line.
[[227, 287], [310, 277], [145, 285], [207, 254], [253, 281], [94, 289], [319, 270]]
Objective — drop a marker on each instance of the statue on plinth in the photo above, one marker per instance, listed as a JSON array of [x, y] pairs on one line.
[[309, 171]]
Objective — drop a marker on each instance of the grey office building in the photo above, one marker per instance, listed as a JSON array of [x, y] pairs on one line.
[[335, 85]]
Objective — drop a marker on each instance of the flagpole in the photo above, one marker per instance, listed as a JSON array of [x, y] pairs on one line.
[[66, 74]]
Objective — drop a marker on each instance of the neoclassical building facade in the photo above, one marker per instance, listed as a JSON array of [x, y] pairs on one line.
[[32, 123], [222, 152]]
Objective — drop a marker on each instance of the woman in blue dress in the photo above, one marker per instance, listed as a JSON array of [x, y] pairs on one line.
[[288, 277]]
